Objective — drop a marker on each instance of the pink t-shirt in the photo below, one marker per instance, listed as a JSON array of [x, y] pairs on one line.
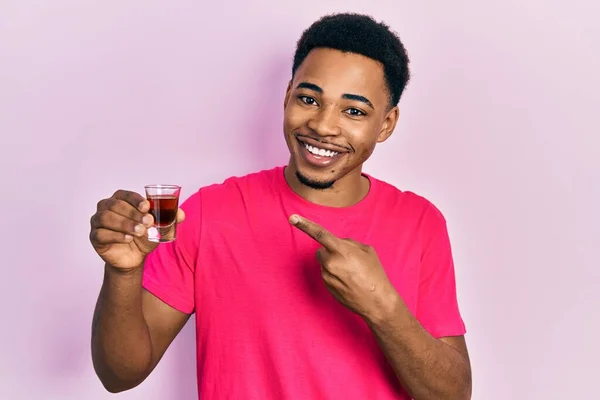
[[267, 328]]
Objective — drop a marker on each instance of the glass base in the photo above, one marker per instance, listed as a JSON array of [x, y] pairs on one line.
[[162, 234]]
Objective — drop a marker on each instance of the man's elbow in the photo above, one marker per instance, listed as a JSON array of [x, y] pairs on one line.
[[461, 390], [111, 388], [466, 389], [113, 385], [466, 395]]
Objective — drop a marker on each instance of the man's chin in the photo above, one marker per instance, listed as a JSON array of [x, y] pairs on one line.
[[313, 183]]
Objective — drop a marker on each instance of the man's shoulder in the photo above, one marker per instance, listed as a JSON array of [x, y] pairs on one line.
[[406, 201], [237, 187], [393, 193], [246, 181]]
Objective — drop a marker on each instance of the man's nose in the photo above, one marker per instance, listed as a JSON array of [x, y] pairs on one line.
[[325, 122]]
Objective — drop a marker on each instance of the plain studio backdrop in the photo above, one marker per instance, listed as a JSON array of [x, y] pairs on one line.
[[499, 127]]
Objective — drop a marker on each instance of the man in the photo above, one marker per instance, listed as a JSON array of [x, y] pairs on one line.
[[310, 281]]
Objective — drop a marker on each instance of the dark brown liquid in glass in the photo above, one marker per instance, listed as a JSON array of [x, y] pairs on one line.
[[163, 209]]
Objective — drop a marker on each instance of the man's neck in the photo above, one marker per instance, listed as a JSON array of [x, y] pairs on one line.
[[345, 192]]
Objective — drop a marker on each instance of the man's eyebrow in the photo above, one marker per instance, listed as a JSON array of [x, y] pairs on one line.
[[358, 97], [310, 86], [348, 96]]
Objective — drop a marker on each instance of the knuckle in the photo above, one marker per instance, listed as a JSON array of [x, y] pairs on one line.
[[104, 204], [134, 214], [96, 219], [102, 218], [128, 225], [320, 234], [94, 236], [111, 203], [119, 193]]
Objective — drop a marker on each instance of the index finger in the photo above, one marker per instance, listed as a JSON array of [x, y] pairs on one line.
[[315, 231], [133, 198]]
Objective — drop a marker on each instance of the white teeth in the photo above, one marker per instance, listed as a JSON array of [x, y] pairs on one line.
[[320, 152]]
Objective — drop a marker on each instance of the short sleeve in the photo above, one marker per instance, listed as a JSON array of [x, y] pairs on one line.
[[437, 303], [169, 270]]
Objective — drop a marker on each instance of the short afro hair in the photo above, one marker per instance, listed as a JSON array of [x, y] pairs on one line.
[[359, 34]]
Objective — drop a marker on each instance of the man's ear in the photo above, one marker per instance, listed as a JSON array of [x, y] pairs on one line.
[[287, 94], [389, 124]]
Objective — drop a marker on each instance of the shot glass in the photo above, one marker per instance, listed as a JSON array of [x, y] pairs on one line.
[[164, 203]]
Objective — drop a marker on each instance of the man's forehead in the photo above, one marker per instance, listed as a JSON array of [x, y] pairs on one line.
[[322, 59], [333, 70]]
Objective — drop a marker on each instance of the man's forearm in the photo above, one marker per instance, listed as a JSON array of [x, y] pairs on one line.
[[121, 344], [427, 367]]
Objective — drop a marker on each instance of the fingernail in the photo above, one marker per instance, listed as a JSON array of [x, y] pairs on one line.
[[142, 204], [128, 237], [147, 220], [294, 219], [139, 229]]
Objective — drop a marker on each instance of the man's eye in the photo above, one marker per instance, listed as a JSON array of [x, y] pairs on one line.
[[355, 112], [307, 100]]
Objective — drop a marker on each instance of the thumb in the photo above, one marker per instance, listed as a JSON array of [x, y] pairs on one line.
[[180, 216]]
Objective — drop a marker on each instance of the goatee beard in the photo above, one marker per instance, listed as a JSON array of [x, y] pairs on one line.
[[318, 185]]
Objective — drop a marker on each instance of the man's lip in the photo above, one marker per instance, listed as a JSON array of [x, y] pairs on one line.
[[321, 145]]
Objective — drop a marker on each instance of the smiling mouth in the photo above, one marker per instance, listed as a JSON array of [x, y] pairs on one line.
[[315, 149], [319, 155], [320, 152]]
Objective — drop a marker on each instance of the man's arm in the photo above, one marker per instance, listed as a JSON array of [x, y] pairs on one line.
[[131, 330], [428, 368]]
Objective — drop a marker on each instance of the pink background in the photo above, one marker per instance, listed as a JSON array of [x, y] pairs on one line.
[[499, 128]]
